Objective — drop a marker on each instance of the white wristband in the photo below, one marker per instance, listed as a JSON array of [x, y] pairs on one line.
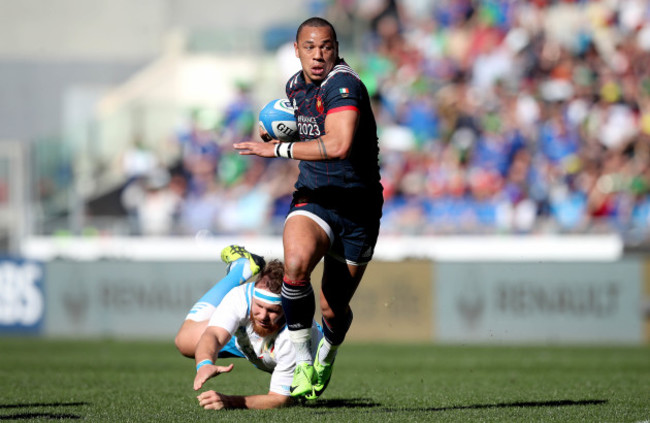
[[284, 149]]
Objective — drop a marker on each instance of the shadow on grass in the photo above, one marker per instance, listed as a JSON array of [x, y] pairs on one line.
[[557, 403], [342, 403], [44, 404], [29, 416], [44, 415], [368, 403]]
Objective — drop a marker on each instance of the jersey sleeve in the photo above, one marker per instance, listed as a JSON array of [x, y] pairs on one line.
[[285, 357], [232, 311], [343, 92]]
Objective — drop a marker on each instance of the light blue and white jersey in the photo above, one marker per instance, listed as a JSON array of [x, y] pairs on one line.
[[275, 353]]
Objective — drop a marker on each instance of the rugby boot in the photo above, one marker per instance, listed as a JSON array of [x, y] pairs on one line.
[[233, 253], [323, 374], [303, 380]]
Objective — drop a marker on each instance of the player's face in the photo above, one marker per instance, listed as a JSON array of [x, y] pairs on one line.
[[266, 318], [317, 51]]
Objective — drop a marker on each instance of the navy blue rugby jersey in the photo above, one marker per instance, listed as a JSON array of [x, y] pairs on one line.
[[342, 89]]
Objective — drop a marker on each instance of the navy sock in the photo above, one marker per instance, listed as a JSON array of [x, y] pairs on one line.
[[334, 330], [298, 303]]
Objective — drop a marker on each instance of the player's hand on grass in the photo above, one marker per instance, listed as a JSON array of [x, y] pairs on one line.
[[211, 400], [209, 371]]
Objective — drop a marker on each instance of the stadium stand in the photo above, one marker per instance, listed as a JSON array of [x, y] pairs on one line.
[[495, 117]]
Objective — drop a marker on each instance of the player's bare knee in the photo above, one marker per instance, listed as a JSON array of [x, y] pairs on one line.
[[326, 310], [296, 267], [178, 341], [184, 345], [332, 314], [328, 314]]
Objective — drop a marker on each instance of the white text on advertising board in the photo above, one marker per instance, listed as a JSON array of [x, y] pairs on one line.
[[21, 300]]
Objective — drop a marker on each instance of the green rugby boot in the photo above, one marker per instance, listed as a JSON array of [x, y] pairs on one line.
[[233, 253], [323, 374], [303, 379]]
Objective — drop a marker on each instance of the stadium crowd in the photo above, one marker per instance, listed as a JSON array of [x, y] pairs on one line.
[[499, 116]]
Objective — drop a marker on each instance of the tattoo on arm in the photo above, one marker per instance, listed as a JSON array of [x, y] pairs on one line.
[[321, 148]]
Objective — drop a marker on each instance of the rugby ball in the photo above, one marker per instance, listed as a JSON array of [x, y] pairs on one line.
[[277, 118]]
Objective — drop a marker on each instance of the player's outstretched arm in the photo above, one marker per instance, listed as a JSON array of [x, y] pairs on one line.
[[208, 372], [212, 341], [211, 400]]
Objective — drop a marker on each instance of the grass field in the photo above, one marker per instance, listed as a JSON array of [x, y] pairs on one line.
[[126, 381]]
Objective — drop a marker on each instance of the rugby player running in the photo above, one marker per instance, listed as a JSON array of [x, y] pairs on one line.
[[337, 201]]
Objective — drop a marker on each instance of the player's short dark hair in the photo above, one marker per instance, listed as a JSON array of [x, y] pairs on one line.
[[274, 272], [317, 22]]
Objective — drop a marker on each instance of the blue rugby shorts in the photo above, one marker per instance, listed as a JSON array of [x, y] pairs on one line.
[[352, 239]]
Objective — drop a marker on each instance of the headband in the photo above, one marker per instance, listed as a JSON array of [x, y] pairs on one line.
[[267, 296]]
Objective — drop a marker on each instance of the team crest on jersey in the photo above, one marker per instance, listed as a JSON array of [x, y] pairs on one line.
[[319, 105], [344, 92]]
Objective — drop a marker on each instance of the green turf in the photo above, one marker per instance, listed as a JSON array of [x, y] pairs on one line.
[[125, 381]]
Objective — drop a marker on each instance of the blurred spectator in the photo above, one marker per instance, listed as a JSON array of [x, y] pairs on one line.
[[199, 153], [159, 210], [138, 161], [240, 118]]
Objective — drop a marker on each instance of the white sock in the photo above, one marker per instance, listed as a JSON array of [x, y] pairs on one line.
[[200, 311], [301, 340], [327, 352]]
